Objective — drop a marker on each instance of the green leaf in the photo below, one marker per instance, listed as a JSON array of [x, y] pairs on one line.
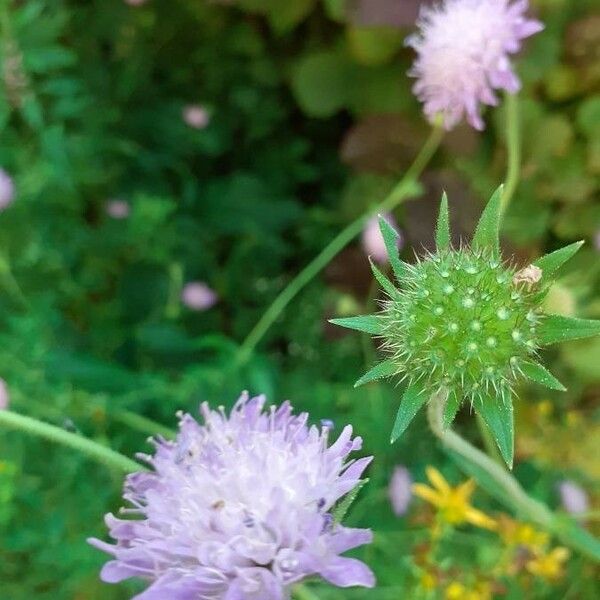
[[413, 399], [556, 328], [536, 372], [390, 239], [451, 408], [550, 263], [487, 233], [442, 231], [342, 508], [384, 369], [384, 282], [365, 323], [497, 412]]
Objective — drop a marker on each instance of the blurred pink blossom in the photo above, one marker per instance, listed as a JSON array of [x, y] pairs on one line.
[[135, 2], [196, 295], [463, 50], [7, 189], [400, 490], [196, 116], [597, 240], [573, 497], [372, 241], [4, 395], [118, 209]]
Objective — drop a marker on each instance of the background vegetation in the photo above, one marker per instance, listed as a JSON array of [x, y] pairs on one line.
[[312, 120]]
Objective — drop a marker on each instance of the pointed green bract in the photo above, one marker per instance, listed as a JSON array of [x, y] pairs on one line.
[[539, 374], [390, 239], [413, 399], [487, 233], [550, 263], [384, 282], [365, 323], [451, 407], [442, 230], [497, 412], [385, 369], [556, 328], [342, 508]]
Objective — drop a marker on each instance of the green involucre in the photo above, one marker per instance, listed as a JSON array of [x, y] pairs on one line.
[[464, 322]]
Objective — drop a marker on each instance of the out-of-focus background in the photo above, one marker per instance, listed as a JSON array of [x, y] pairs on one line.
[[168, 167]]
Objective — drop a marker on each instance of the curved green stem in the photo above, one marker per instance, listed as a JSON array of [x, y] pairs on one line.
[[513, 146], [405, 188], [93, 449], [303, 593], [142, 424], [505, 487]]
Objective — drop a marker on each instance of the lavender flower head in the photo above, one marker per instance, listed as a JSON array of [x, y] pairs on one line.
[[239, 508], [196, 116], [400, 490], [372, 240], [196, 295], [463, 55], [7, 189], [118, 209], [4, 395], [573, 498]]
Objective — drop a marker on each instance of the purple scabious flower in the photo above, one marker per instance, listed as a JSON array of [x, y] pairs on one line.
[[573, 497], [7, 189], [400, 490], [372, 240], [463, 55], [239, 508], [118, 209], [196, 295]]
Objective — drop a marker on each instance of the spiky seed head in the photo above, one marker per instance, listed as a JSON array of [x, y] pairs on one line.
[[465, 323], [458, 319]]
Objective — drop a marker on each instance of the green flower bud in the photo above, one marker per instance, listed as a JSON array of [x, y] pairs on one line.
[[468, 324]]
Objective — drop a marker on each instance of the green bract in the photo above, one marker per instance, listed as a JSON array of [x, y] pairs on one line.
[[466, 324]]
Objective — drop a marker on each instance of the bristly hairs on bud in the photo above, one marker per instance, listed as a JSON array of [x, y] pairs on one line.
[[466, 323]]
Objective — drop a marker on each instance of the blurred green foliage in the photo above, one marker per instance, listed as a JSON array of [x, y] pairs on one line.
[[311, 120]]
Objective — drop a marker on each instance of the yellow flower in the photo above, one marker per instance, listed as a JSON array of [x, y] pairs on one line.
[[549, 566], [514, 533], [457, 591], [452, 502]]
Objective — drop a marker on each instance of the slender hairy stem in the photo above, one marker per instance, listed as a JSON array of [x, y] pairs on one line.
[[142, 424], [93, 449], [405, 188], [508, 489], [513, 145], [303, 593]]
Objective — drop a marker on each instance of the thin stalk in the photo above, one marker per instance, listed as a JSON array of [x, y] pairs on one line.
[[405, 188], [509, 490], [142, 424], [93, 449], [513, 146], [303, 593]]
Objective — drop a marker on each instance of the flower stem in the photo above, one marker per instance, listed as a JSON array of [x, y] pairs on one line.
[[405, 188], [93, 449], [505, 487], [142, 424], [513, 144], [303, 593]]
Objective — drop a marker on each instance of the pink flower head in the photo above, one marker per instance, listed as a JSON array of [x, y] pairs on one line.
[[135, 2], [597, 240], [573, 498], [400, 490], [196, 116], [118, 209], [198, 296], [4, 395], [7, 189], [239, 507], [372, 241], [463, 55]]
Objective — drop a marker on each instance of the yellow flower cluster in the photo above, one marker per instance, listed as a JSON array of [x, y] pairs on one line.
[[527, 551], [453, 503]]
